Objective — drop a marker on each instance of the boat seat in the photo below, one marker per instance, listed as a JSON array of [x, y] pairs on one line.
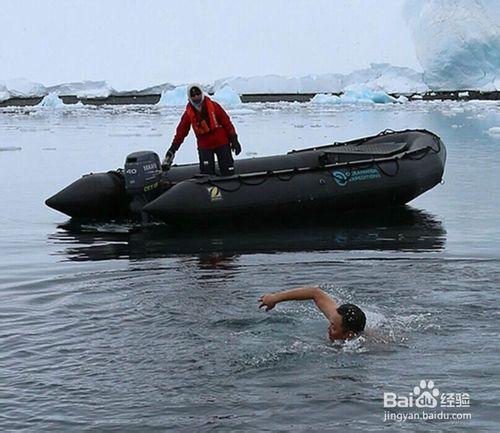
[[385, 148]]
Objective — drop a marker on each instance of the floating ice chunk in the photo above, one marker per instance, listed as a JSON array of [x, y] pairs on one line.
[[356, 95], [495, 130], [463, 94], [360, 94], [363, 95], [176, 97], [227, 96], [84, 89], [321, 98], [51, 101]]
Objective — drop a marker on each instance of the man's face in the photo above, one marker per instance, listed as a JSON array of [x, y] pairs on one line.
[[196, 96], [336, 330]]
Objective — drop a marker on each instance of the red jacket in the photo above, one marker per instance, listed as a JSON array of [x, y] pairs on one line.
[[220, 129]]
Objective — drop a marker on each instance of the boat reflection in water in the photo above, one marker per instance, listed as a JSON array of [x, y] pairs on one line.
[[394, 229]]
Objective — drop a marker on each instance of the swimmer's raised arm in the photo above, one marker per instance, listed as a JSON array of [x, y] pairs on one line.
[[325, 304]]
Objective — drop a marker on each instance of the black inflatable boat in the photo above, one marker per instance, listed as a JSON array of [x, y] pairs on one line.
[[388, 169]]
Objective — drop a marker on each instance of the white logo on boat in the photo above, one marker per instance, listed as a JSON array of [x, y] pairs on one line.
[[342, 178]]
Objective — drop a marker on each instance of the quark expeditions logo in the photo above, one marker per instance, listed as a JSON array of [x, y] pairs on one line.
[[426, 402], [344, 177], [215, 194]]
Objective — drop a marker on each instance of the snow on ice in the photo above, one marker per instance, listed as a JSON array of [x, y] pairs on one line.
[[84, 89], [379, 76]]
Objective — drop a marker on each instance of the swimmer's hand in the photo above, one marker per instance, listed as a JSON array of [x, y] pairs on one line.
[[268, 301], [325, 304]]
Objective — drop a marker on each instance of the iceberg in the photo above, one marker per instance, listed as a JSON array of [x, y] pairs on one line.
[[387, 78], [379, 76], [21, 88], [152, 90], [227, 96], [260, 84], [176, 97], [83, 89], [322, 98], [317, 83], [457, 43], [51, 101], [362, 94]]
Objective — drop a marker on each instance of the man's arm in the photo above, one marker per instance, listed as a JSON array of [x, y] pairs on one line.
[[324, 303], [181, 132]]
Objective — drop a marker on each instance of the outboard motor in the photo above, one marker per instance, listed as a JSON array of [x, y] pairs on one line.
[[142, 180]]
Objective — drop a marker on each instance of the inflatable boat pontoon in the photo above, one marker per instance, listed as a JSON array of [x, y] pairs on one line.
[[388, 169]]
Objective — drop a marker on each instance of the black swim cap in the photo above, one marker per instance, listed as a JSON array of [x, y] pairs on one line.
[[353, 318]]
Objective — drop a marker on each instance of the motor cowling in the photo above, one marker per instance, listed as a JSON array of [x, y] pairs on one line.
[[142, 174]]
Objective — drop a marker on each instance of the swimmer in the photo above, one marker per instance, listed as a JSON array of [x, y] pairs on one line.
[[346, 321]]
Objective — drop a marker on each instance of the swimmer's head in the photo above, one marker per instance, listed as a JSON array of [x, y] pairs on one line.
[[349, 322]]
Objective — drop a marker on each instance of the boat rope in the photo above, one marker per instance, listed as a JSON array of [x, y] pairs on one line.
[[225, 189], [264, 178], [288, 178], [286, 175]]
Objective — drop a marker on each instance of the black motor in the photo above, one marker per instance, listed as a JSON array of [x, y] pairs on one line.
[[142, 179]]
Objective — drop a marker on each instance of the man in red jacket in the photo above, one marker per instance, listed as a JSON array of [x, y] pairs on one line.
[[214, 132]]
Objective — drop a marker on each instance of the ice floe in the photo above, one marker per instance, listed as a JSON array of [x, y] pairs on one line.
[[356, 95]]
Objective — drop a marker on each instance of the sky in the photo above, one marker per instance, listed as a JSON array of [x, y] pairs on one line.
[[135, 44]]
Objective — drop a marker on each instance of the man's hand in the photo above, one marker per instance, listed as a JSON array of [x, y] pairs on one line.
[[169, 158], [235, 145], [268, 301]]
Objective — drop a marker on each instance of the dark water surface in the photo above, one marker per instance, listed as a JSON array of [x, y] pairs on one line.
[[112, 328]]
